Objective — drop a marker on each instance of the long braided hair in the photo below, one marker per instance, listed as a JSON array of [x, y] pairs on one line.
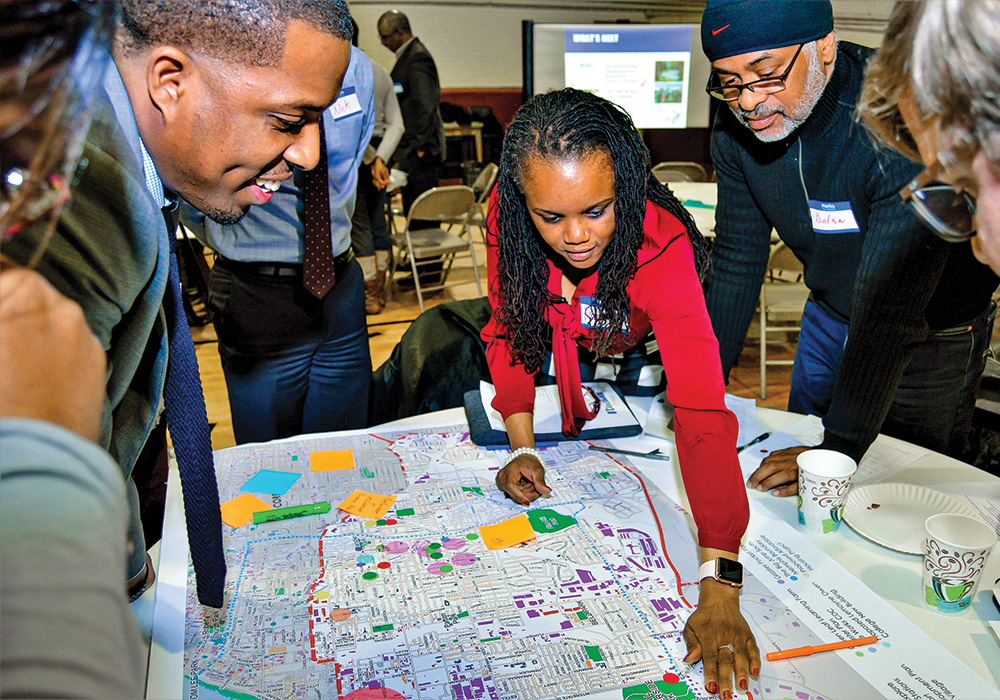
[[572, 124]]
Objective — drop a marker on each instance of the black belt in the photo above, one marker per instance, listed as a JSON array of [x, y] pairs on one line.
[[264, 269]]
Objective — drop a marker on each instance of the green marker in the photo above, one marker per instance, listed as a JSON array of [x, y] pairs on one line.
[[266, 516]]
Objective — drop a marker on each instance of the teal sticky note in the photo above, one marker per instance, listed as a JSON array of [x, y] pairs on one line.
[[270, 481]]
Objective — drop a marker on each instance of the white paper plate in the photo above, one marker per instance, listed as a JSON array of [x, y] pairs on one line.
[[893, 514]]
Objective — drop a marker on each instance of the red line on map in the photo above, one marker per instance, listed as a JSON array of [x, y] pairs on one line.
[[663, 542]]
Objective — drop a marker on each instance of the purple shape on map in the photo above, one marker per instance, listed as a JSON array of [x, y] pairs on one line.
[[585, 576], [397, 547], [803, 696], [566, 624], [533, 613], [435, 569], [452, 544], [464, 559]]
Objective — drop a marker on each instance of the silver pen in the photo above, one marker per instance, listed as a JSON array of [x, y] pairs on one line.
[[653, 454]]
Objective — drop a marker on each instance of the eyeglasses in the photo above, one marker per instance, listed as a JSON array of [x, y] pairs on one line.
[[764, 86], [949, 214], [54, 86]]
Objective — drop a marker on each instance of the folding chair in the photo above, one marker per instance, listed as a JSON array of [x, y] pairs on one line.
[[427, 246]]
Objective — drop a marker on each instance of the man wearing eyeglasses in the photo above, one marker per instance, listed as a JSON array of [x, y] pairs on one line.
[[898, 321]]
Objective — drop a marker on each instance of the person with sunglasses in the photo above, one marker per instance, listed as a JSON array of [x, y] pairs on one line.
[[894, 313], [921, 100], [64, 619]]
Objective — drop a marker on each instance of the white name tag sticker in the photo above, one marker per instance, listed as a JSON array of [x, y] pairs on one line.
[[832, 217], [347, 104], [588, 313]]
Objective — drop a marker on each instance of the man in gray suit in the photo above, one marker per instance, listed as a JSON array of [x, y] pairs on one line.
[[213, 102], [415, 79]]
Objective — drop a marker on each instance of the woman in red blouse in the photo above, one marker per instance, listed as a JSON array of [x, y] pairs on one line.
[[586, 248]]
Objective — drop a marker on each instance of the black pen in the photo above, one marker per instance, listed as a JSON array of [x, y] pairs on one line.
[[759, 438]]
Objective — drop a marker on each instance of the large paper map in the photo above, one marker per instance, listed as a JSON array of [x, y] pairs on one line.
[[414, 606]]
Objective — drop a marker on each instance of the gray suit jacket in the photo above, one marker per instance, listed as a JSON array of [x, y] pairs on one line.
[[419, 101], [110, 253]]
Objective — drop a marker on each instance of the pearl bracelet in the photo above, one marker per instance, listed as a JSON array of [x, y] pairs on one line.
[[521, 451]]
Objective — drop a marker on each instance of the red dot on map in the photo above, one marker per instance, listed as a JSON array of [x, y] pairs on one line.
[[671, 678], [391, 521], [383, 565]]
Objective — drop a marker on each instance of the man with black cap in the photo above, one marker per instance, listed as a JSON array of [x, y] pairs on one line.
[[898, 322]]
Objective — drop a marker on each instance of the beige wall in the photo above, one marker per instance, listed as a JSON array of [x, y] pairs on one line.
[[477, 43]]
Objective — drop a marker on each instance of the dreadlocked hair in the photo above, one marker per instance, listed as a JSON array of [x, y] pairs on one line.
[[560, 125]]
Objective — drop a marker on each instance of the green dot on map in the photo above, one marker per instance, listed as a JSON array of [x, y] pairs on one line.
[[295, 458], [472, 536], [434, 546], [436, 555], [380, 522], [446, 568], [369, 576]]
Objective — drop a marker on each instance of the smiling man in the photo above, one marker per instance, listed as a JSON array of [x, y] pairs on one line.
[[296, 358], [895, 330], [213, 101]]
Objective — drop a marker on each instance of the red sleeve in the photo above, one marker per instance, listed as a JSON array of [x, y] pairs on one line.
[[515, 386], [668, 289]]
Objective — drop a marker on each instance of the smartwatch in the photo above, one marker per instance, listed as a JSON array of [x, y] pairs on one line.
[[723, 570]]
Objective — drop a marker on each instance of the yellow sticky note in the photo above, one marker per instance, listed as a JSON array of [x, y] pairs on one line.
[[508, 533], [367, 505], [239, 511], [331, 460]]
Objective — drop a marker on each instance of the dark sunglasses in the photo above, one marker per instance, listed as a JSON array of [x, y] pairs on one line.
[[949, 214]]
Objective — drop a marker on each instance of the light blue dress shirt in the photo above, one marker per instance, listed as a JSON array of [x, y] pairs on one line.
[[273, 232]]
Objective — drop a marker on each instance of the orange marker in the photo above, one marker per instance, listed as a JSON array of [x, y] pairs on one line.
[[808, 651]]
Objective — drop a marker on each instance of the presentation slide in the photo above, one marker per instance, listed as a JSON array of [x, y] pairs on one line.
[[646, 72], [655, 72]]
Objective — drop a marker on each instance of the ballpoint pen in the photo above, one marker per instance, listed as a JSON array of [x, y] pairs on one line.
[[653, 454], [809, 650], [759, 438]]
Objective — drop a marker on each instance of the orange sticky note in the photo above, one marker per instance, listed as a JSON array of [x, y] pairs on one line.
[[331, 460], [367, 505], [508, 533], [239, 511]]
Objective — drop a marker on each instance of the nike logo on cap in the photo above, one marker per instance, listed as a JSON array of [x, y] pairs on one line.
[[720, 29]]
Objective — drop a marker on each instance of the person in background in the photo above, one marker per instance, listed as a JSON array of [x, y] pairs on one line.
[[895, 331], [930, 93], [214, 103], [415, 80], [586, 248], [294, 349], [370, 225], [65, 625]]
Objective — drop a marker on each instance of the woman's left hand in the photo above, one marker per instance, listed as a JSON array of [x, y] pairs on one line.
[[717, 634]]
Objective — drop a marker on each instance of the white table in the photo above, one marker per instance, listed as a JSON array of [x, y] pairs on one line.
[[893, 576], [699, 198]]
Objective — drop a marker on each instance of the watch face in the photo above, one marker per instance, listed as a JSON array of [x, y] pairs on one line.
[[729, 571]]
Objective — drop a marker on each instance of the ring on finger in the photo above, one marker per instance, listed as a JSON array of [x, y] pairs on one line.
[[730, 647]]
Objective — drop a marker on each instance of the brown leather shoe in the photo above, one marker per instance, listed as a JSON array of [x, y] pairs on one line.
[[375, 295]]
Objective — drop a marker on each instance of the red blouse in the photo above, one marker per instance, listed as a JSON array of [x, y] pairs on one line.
[[665, 296]]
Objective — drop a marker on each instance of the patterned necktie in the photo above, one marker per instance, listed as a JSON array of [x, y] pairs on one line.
[[317, 265], [189, 432]]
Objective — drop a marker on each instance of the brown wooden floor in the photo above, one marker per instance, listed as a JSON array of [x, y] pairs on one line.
[[385, 330]]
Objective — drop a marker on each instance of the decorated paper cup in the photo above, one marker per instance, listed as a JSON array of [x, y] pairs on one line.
[[824, 479], [955, 552]]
